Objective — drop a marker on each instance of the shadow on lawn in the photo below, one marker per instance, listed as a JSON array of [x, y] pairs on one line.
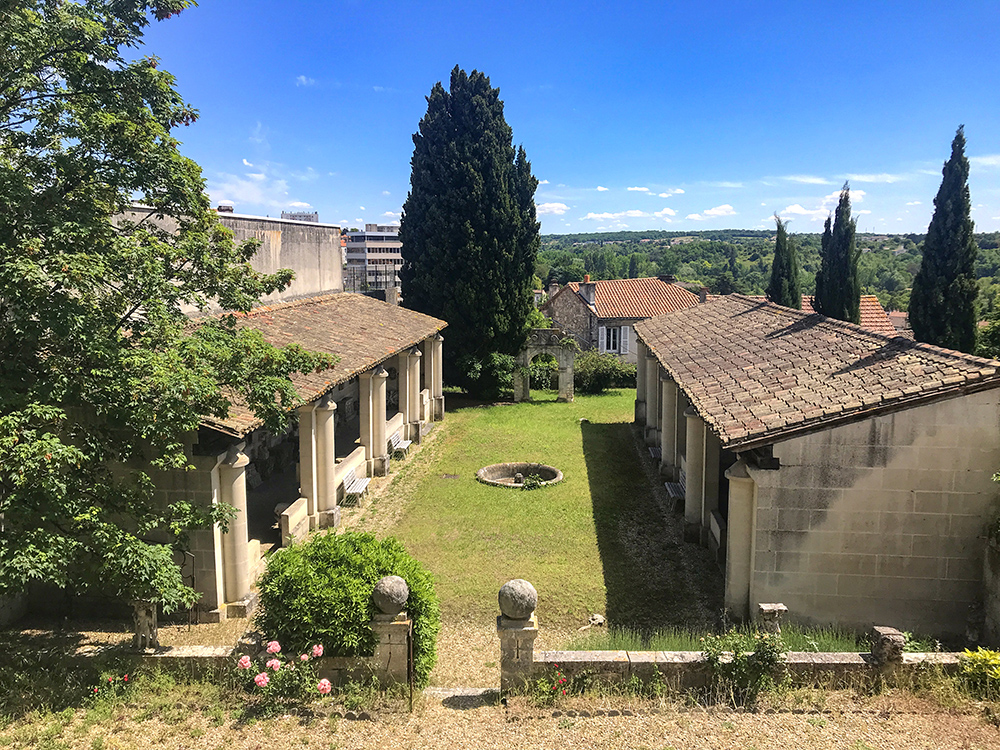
[[654, 580]]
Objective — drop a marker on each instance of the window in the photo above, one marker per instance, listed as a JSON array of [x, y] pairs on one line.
[[613, 339]]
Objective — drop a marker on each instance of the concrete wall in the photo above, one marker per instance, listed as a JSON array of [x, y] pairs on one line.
[[881, 521], [991, 594], [311, 250]]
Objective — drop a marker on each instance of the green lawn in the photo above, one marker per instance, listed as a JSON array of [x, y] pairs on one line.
[[596, 542]]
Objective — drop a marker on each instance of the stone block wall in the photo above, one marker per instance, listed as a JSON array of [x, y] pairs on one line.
[[881, 520], [571, 314]]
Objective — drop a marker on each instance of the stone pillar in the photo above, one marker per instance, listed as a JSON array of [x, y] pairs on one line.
[[380, 450], [652, 400], [413, 416], [308, 484], [392, 628], [887, 646], [694, 486], [437, 393], [739, 540], [668, 427], [770, 617], [640, 383], [235, 542], [517, 629], [366, 417], [565, 376], [710, 493], [680, 437], [326, 464]]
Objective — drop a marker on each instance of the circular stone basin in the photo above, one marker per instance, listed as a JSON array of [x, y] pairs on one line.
[[513, 475]]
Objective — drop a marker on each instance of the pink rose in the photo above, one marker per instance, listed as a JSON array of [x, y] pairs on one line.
[[273, 647], [324, 686], [244, 662], [274, 664], [262, 679], [317, 650], [304, 657]]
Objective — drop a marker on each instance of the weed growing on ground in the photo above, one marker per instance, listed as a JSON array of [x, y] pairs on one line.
[[979, 673], [741, 666]]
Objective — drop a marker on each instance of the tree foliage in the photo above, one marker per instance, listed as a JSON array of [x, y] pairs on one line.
[[838, 287], [783, 288], [101, 372], [943, 299], [469, 231]]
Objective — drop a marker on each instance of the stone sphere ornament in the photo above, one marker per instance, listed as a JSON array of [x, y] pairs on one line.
[[518, 599], [390, 595]]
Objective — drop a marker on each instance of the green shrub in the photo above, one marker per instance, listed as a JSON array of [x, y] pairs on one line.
[[979, 673], [742, 665], [532, 482], [542, 370], [594, 372], [320, 591]]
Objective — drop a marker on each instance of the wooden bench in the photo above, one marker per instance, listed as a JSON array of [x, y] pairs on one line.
[[397, 446], [355, 487], [675, 492], [654, 452]]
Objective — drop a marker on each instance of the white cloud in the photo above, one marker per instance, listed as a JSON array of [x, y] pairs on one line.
[[725, 184], [390, 214], [664, 213], [259, 136], [299, 204], [359, 222], [914, 203], [671, 191], [723, 210], [543, 182], [259, 194], [864, 211], [882, 177], [552, 208], [763, 204], [807, 179], [639, 189], [601, 189], [343, 222], [797, 210], [989, 160], [246, 163], [225, 203], [304, 81], [632, 214], [386, 192], [258, 176], [695, 217], [857, 196], [362, 208]]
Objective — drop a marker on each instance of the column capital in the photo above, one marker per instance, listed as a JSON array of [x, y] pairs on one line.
[[691, 413], [327, 403], [380, 372], [415, 352], [235, 457], [438, 336], [738, 472]]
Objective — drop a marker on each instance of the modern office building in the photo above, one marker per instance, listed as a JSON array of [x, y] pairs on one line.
[[373, 258]]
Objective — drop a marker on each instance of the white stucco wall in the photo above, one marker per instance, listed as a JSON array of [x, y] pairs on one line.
[[881, 522]]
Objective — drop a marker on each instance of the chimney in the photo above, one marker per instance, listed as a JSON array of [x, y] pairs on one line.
[[553, 289], [703, 295], [392, 295], [667, 278], [224, 208], [588, 289]]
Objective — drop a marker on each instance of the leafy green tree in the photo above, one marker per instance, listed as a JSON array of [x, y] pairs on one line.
[[101, 373], [943, 299], [783, 289], [838, 289], [469, 231]]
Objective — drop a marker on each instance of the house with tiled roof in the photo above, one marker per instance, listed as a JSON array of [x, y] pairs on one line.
[[845, 473], [602, 314], [873, 315], [381, 394]]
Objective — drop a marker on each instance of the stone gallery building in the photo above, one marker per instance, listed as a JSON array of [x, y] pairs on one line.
[[845, 473], [602, 314], [383, 393]]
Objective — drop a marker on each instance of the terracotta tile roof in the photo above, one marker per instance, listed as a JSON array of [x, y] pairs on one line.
[[637, 298], [873, 315], [363, 332], [757, 372]]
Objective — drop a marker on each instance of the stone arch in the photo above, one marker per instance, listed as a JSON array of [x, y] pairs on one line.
[[552, 341]]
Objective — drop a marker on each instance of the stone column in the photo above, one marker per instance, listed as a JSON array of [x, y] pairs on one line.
[[235, 542], [739, 540], [380, 451], [694, 485], [308, 484], [710, 493], [640, 383], [668, 427], [413, 418], [437, 393], [405, 394], [517, 629], [392, 627], [680, 436], [565, 360], [366, 417], [326, 464], [652, 400]]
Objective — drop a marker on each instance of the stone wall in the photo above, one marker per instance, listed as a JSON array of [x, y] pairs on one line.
[[311, 250], [991, 594], [881, 520], [570, 313], [12, 609]]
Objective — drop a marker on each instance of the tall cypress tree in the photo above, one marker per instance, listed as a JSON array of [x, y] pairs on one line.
[[783, 289], [838, 288], [943, 299], [469, 230]]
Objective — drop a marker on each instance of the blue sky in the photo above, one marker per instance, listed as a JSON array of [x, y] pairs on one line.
[[638, 115]]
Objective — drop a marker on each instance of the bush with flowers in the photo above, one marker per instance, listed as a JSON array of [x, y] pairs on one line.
[[553, 686], [285, 676], [319, 591], [111, 687]]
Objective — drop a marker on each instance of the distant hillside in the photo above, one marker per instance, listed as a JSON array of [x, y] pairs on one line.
[[740, 260]]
